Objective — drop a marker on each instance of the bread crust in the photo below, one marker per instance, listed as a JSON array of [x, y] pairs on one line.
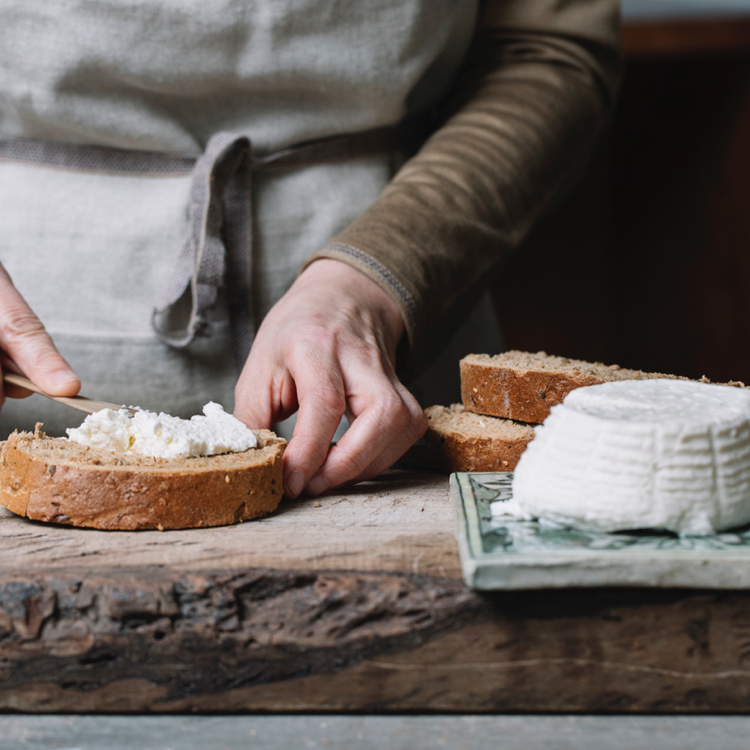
[[524, 386], [38, 480], [454, 445]]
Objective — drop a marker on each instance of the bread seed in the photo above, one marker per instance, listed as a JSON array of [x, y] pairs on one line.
[[227, 479]]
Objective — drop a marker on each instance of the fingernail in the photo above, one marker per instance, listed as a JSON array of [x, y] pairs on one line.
[[63, 377], [295, 484], [318, 485]]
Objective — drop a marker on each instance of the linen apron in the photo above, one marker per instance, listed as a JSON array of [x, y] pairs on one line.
[[109, 112]]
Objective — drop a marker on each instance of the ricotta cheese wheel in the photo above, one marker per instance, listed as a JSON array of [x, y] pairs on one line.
[[659, 454]]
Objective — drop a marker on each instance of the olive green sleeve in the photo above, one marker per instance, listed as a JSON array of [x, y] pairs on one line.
[[536, 89]]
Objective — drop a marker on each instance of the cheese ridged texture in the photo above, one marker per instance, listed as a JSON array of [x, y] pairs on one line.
[[661, 454]]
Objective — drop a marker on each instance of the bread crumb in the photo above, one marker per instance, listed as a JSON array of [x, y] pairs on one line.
[[316, 505], [160, 527]]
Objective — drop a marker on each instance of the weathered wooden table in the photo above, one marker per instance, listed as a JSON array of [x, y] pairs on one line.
[[351, 602]]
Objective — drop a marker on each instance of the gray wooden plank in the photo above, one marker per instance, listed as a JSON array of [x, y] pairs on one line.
[[370, 732]]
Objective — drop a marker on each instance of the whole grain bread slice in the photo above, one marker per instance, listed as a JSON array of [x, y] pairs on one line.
[[459, 440], [524, 385], [58, 480]]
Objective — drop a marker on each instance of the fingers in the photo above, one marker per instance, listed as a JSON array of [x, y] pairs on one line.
[[265, 392], [328, 346], [263, 395], [385, 420], [322, 402], [389, 423], [395, 449], [26, 342]]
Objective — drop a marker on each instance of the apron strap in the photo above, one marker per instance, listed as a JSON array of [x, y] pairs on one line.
[[218, 245]]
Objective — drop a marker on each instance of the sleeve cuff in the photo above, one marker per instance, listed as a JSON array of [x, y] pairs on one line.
[[377, 272]]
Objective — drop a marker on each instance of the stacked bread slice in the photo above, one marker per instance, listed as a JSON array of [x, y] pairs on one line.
[[503, 397], [460, 440]]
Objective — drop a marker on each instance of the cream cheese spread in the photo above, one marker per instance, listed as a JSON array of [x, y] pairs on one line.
[[661, 454], [165, 436]]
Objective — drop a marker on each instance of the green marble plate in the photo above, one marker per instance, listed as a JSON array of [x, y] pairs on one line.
[[497, 553]]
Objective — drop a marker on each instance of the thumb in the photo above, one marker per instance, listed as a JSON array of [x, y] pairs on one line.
[[264, 394], [24, 339]]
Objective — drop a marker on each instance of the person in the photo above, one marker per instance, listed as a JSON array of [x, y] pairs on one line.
[[132, 136]]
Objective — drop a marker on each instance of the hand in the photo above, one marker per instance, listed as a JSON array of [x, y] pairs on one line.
[[328, 347], [27, 348]]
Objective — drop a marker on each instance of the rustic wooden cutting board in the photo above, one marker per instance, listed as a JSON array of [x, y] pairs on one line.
[[350, 602]]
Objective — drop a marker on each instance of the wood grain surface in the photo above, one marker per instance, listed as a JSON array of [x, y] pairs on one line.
[[401, 522], [348, 603]]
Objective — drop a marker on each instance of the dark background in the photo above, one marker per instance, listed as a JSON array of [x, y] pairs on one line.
[[647, 262]]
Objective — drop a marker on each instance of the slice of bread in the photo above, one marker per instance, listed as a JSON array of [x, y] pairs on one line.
[[459, 440], [523, 386], [58, 480]]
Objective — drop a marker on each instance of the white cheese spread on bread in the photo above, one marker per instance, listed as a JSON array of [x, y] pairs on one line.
[[660, 454], [164, 436]]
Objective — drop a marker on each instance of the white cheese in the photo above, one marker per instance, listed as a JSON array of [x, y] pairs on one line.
[[661, 454], [165, 436]]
